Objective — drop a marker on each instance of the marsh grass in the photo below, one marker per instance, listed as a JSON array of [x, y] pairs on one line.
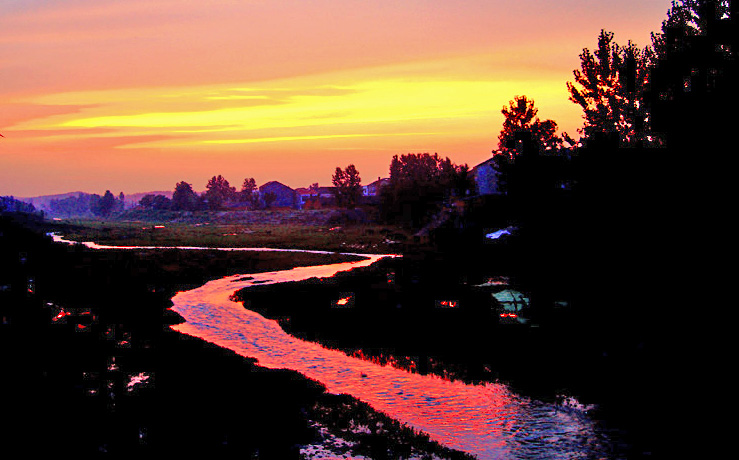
[[367, 238]]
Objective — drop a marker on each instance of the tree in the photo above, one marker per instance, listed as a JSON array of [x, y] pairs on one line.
[[10, 204], [121, 205], [418, 187], [347, 185], [218, 191], [520, 125], [83, 205], [105, 205], [687, 19], [609, 87], [523, 136], [693, 88], [155, 202], [247, 191], [184, 197]]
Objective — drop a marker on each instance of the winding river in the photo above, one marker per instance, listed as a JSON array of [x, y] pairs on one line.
[[488, 420]]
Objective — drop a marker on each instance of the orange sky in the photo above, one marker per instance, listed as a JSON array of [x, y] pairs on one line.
[[137, 95]]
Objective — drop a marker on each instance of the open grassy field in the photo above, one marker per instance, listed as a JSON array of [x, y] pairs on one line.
[[219, 232]]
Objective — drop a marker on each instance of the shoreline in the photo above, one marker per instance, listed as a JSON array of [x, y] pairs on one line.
[[172, 264], [115, 342]]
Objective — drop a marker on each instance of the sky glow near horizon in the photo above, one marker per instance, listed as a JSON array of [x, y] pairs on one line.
[[138, 95]]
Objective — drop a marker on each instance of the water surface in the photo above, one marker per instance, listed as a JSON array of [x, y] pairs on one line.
[[486, 420]]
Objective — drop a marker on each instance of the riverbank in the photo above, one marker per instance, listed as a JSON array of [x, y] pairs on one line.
[[328, 230], [97, 369], [425, 318]]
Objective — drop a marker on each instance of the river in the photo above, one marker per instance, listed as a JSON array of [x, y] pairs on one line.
[[487, 420]]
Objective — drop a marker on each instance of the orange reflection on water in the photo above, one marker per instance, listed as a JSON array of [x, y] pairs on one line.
[[486, 420]]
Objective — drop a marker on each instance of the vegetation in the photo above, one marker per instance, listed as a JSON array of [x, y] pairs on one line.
[[271, 229], [519, 125], [610, 87], [184, 198], [155, 202], [218, 191], [587, 216], [248, 192], [85, 204], [347, 186], [96, 318], [11, 205], [419, 186], [521, 137]]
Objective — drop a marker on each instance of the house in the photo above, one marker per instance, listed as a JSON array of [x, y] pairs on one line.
[[486, 178], [373, 189], [284, 196], [312, 198]]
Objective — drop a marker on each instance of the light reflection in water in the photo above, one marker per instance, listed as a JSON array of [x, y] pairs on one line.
[[486, 420]]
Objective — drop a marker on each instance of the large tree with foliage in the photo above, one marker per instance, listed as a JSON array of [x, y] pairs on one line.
[[347, 186], [155, 202], [609, 87], [184, 197], [523, 135], [10, 204], [521, 125], [105, 206], [248, 189], [693, 90], [687, 19], [218, 191], [419, 185]]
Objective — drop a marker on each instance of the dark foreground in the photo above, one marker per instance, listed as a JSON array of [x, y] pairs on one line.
[[91, 366], [439, 317]]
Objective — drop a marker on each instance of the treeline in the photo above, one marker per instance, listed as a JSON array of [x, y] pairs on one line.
[[218, 194], [86, 204], [10, 204], [420, 186]]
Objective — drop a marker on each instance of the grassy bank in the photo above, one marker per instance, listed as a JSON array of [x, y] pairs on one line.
[[271, 229]]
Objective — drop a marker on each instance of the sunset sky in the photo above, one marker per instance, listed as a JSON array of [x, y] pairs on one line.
[[136, 95]]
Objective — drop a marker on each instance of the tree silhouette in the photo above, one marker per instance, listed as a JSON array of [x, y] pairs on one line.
[[686, 19], [347, 185], [520, 124], [105, 205], [218, 191], [155, 202], [522, 135], [418, 187], [247, 191], [184, 198], [609, 87], [693, 90]]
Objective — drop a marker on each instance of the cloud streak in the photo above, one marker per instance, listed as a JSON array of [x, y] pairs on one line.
[[240, 83]]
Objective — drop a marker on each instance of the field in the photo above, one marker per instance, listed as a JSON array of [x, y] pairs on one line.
[[275, 229]]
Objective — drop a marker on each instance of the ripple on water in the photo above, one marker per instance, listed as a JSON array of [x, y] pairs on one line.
[[487, 420]]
